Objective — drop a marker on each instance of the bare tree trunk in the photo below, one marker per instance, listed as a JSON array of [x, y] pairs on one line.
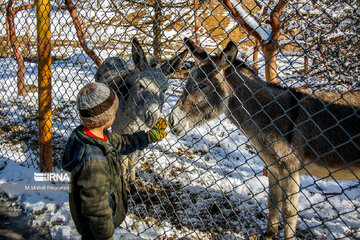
[[269, 51], [197, 22], [256, 55], [80, 33], [322, 54], [7, 31], [257, 42], [269, 48], [157, 30], [28, 36], [10, 15], [306, 58]]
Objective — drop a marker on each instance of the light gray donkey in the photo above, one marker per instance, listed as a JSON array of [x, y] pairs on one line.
[[141, 94], [294, 131]]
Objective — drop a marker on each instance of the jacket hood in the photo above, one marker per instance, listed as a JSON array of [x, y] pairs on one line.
[[76, 149]]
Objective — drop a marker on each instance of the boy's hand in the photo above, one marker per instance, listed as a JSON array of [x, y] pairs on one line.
[[157, 132]]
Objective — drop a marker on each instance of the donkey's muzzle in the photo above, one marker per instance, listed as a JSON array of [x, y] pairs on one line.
[[152, 115], [175, 124]]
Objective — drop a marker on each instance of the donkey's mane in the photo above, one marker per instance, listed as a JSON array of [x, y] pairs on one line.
[[241, 65]]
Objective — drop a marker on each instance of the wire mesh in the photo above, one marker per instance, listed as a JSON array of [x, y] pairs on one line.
[[209, 183]]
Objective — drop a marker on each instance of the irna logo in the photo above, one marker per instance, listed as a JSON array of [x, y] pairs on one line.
[[52, 177]]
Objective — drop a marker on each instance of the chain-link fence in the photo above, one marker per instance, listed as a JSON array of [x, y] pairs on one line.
[[206, 180]]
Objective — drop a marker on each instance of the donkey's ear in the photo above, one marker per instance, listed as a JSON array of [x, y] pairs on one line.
[[199, 53], [138, 55], [173, 64], [227, 56]]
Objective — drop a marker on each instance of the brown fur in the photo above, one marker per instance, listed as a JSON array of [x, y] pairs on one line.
[[295, 131]]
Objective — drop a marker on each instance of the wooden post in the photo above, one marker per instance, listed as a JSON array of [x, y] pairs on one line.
[[44, 82]]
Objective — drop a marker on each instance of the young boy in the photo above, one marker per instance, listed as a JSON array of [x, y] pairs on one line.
[[98, 198]]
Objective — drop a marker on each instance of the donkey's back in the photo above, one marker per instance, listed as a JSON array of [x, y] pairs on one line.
[[326, 133], [315, 132]]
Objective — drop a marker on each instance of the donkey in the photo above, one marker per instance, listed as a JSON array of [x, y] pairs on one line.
[[294, 131], [141, 94]]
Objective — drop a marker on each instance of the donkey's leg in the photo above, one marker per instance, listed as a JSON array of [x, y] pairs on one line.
[[132, 162], [291, 186], [124, 164], [133, 159], [274, 203]]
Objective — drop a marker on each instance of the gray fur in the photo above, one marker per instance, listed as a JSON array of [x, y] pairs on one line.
[[140, 90], [294, 131]]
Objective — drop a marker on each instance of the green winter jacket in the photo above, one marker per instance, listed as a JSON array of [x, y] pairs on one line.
[[98, 198]]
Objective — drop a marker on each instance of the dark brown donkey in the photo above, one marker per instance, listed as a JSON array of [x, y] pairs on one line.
[[294, 131]]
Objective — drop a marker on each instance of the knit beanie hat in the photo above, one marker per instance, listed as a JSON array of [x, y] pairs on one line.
[[97, 104]]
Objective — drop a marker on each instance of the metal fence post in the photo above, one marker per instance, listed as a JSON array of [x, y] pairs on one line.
[[44, 81]]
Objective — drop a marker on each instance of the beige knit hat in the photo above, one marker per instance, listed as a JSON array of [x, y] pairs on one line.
[[97, 104]]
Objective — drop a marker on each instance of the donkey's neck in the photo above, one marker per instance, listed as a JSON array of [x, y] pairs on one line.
[[250, 95]]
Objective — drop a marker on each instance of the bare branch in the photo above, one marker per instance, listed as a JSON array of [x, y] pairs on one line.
[[17, 9], [275, 19], [80, 33], [10, 15], [238, 17]]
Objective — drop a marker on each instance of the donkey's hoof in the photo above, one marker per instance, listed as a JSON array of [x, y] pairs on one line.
[[133, 189], [270, 234]]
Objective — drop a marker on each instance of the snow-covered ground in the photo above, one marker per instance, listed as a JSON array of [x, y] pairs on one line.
[[206, 184], [209, 179]]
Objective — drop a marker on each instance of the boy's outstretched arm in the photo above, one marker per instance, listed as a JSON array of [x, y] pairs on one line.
[[129, 143]]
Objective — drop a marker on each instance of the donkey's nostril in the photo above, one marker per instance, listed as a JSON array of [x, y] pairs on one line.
[[151, 116], [148, 116]]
